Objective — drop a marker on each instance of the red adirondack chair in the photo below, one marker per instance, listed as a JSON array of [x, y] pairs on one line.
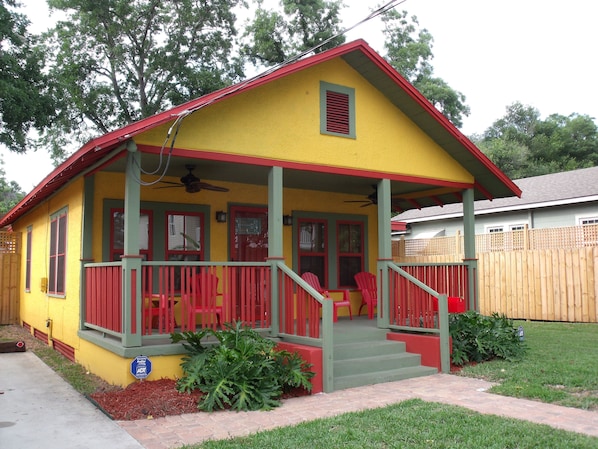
[[203, 301], [367, 286], [314, 282]]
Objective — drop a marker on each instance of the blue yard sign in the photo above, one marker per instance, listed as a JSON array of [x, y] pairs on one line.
[[141, 367]]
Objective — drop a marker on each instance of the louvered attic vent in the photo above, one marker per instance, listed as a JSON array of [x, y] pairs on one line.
[[337, 110]]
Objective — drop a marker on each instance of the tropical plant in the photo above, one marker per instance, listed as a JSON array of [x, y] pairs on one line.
[[478, 338], [241, 370]]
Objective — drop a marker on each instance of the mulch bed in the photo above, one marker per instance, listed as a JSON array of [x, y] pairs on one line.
[[153, 399]]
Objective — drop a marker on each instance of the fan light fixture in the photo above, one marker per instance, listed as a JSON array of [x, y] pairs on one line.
[[221, 216], [287, 220]]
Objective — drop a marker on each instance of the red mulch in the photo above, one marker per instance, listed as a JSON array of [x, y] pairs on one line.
[[153, 399]]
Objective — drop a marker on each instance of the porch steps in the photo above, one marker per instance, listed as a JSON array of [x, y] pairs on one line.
[[363, 356]]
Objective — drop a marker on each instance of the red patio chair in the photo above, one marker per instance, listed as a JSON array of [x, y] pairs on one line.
[[455, 304], [159, 310], [368, 287], [202, 300], [314, 282]]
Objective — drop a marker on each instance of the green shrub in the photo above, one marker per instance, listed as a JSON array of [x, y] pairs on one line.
[[477, 338], [243, 371]]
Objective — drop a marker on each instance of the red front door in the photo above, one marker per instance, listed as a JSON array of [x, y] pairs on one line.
[[249, 243], [248, 234]]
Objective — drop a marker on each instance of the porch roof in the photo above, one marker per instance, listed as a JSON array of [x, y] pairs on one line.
[[409, 193]]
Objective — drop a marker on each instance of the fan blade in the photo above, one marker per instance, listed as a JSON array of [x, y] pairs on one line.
[[177, 184], [205, 186]]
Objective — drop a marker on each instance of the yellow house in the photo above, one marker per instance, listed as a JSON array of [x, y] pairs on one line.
[[210, 212]]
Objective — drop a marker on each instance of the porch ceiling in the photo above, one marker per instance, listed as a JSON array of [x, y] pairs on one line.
[[406, 195]]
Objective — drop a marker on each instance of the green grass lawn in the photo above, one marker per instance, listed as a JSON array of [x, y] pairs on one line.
[[560, 366], [409, 425]]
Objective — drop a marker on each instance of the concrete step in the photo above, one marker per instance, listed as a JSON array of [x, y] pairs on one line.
[[364, 365], [367, 349], [358, 380]]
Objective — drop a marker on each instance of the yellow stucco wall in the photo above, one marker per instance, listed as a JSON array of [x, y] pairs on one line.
[[281, 121], [36, 305]]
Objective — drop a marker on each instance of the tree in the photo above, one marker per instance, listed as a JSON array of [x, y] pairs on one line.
[[521, 144], [409, 51], [10, 192], [24, 99], [117, 61], [273, 37]]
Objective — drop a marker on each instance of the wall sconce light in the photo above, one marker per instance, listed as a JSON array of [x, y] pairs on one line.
[[287, 220], [221, 216]]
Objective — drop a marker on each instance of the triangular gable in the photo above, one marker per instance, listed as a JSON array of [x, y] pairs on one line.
[[489, 180]]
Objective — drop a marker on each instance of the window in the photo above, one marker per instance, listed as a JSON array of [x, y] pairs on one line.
[[589, 230], [313, 248], [333, 249], [337, 110], [28, 261], [185, 237], [501, 240], [117, 234], [57, 273], [350, 251]]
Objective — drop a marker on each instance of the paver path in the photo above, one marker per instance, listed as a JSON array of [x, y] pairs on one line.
[[174, 431]]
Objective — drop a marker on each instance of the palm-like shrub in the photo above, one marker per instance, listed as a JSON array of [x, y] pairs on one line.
[[241, 370]]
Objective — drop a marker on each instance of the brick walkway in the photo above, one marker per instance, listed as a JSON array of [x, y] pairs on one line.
[[175, 431]]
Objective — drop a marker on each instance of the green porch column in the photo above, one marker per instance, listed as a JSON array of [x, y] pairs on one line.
[[131, 261], [275, 236], [469, 248], [86, 243], [384, 250]]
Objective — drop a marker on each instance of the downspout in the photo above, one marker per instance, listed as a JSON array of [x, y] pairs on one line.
[[384, 251], [469, 248]]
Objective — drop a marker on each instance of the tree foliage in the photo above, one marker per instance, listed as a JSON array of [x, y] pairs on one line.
[[521, 144], [10, 192], [117, 61], [24, 99], [409, 51], [277, 35]]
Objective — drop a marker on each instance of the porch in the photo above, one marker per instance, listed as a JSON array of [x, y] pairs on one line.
[[270, 297]]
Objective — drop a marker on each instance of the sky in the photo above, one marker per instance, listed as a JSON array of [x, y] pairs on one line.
[[540, 53]]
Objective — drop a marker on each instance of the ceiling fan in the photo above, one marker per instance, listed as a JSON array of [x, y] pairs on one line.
[[372, 200], [192, 183]]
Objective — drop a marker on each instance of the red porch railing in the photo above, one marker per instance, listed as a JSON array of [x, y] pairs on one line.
[[188, 296], [413, 306], [103, 297]]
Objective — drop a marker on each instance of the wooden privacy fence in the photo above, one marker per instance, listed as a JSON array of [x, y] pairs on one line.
[[10, 248], [536, 274]]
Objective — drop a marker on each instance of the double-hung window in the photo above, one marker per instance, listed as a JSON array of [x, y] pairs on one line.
[[313, 248], [184, 236], [349, 251], [332, 249], [28, 260], [117, 234], [57, 265]]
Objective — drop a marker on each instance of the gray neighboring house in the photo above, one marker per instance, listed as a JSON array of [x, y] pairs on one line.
[[548, 201]]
